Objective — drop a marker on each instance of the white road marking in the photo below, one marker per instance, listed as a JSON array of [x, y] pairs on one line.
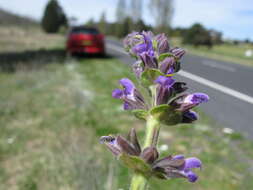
[[214, 64], [201, 80]]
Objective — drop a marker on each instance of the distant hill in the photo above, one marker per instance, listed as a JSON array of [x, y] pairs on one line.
[[8, 18]]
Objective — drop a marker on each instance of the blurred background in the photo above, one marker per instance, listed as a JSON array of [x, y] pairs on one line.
[[60, 60]]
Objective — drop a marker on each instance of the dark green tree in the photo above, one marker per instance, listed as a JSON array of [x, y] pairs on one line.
[[102, 24], [54, 17], [197, 35]]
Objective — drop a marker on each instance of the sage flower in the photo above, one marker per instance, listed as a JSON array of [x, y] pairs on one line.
[[186, 102], [147, 48], [164, 168], [162, 43], [130, 95], [178, 166], [138, 42], [164, 89]]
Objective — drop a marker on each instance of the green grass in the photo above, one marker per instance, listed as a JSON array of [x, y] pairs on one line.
[[224, 52], [51, 119]]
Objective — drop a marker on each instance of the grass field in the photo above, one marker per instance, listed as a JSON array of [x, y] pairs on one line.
[[52, 117], [53, 110], [224, 52]]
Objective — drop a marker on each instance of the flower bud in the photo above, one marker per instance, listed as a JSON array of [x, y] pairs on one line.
[[149, 154]]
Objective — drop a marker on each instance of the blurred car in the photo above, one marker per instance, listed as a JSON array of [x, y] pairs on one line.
[[85, 40]]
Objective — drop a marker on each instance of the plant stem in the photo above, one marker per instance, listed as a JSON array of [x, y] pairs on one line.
[[151, 138]]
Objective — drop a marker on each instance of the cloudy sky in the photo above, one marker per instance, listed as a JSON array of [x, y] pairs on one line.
[[234, 18]]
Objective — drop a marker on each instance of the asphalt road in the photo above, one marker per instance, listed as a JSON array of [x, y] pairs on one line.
[[230, 87]]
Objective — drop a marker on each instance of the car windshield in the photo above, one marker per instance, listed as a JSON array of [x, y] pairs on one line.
[[84, 31]]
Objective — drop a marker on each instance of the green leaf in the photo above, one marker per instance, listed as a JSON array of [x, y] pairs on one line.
[[136, 164], [163, 56], [166, 114], [140, 114], [149, 75]]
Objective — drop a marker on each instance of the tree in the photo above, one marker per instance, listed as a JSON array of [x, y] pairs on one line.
[[216, 37], [197, 35], [122, 29], [136, 10], [90, 23], [121, 11], [102, 24], [54, 17], [162, 12]]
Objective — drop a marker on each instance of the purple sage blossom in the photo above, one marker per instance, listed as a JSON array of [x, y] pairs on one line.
[[149, 60], [189, 116], [167, 65], [186, 102], [138, 42], [178, 166], [162, 43], [178, 52], [168, 167], [130, 95], [164, 89]]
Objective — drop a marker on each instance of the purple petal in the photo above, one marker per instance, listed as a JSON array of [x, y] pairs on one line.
[[149, 60], [192, 177], [189, 116], [128, 86], [127, 106], [178, 157], [140, 48], [196, 98], [117, 93], [165, 81], [192, 163]]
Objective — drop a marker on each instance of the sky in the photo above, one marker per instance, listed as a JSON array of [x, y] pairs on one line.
[[232, 17]]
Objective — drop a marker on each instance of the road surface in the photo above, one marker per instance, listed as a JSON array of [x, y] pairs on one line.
[[230, 87]]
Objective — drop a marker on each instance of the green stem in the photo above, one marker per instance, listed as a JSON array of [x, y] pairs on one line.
[[151, 138]]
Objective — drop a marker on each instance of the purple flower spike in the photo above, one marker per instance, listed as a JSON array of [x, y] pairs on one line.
[[130, 95], [164, 89]]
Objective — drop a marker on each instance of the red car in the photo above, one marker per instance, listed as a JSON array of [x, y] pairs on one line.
[[85, 40]]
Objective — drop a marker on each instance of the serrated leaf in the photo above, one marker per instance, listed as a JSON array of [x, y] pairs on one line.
[[136, 164], [163, 56], [166, 114], [149, 75], [140, 114]]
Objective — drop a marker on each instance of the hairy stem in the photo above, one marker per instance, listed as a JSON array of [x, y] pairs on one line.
[[151, 139]]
